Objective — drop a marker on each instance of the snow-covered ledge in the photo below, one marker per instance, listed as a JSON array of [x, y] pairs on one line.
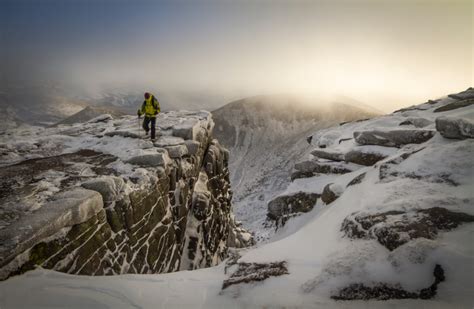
[[100, 198]]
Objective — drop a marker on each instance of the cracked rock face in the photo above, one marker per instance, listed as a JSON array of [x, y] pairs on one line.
[[146, 209]]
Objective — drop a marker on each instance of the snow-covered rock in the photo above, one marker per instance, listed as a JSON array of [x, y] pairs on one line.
[[331, 192], [393, 138], [285, 206], [364, 156], [418, 122], [113, 203], [452, 127]]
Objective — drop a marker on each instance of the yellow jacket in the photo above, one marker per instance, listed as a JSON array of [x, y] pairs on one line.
[[150, 107]]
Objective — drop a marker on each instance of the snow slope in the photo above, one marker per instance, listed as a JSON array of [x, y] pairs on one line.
[[322, 258], [265, 136]]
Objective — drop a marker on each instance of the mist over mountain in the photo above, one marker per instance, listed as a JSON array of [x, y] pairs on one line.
[[46, 103], [265, 135]]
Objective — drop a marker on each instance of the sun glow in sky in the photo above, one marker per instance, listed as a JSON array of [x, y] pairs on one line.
[[385, 53]]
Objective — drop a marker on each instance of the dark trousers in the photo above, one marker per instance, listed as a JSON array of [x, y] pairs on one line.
[[146, 123]]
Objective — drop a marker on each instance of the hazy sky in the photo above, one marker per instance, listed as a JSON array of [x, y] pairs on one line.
[[385, 53]]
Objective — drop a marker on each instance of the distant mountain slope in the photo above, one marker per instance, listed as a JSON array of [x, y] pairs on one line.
[[265, 136], [37, 105], [91, 112], [46, 103]]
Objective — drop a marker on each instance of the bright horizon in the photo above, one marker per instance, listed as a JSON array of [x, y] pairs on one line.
[[385, 54]]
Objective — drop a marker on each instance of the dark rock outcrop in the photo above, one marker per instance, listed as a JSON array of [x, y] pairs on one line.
[[454, 105], [255, 272], [417, 122], [302, 174], [394, 138], [361, 157], [356, 180], [456, 128], [334, 156], [328, 196], [395, 228], [463, 95], [283, 207], [384, 291], [314, 167]]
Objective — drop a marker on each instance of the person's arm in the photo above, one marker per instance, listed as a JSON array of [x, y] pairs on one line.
[[141, 110]]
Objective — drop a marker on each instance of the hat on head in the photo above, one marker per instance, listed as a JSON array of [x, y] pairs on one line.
[[147, 95]]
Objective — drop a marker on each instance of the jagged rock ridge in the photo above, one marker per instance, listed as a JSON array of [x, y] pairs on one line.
[[110, 203]]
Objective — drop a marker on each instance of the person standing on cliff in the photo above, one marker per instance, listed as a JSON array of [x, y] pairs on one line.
[[150, 107]]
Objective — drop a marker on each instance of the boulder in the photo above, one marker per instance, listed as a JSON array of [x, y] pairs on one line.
[[315, 166], [290, 204], [456, 128], [386, 291], [466, 94], [187, 130], [363, 157], [177, 151], [395, 228], [150, 160], [108, 186], [416, 121], [454, 105], [326, 154], [330, 193], [255, 272], [395, 138], [300, 174]]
